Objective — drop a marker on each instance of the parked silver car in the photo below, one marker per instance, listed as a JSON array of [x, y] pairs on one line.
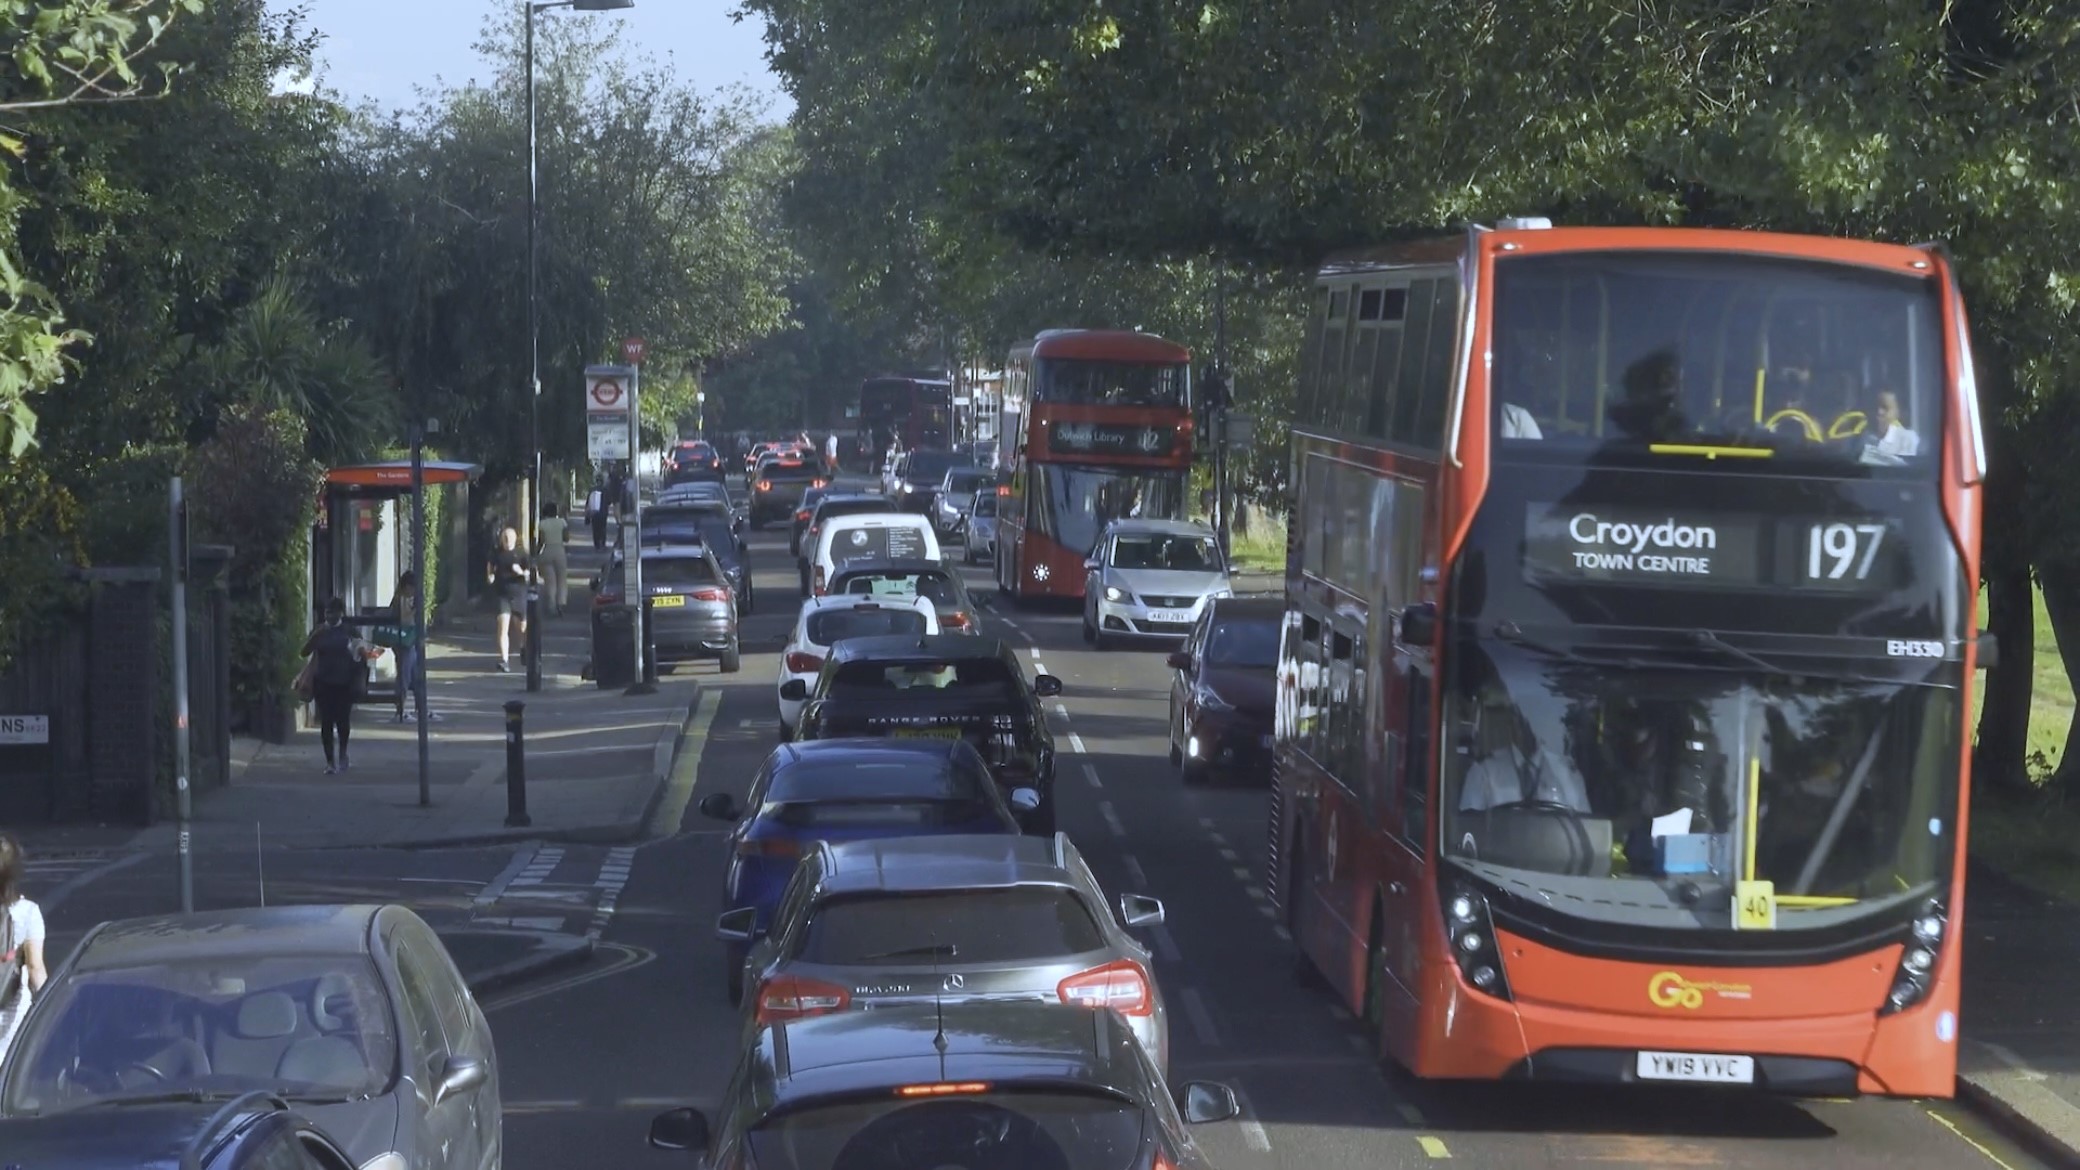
[[355, 1015], [979, 541], [1150, 579], [873, 924]]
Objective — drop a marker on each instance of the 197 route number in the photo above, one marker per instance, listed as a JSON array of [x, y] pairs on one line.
[[1842, 551]]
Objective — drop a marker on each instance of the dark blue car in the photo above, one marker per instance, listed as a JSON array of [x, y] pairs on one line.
[[849, 790]]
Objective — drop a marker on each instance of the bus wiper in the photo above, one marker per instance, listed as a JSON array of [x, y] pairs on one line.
[[1710, 640], [932, 951], [1514, 634]]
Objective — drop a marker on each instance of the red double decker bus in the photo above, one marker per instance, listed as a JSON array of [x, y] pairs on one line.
[[906, 413], [1622, 727], [1104, 432]]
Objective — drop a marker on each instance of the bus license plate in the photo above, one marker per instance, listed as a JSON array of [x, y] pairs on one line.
[[1696, 1066], [927, 733], [668, 601], [1178, 616]]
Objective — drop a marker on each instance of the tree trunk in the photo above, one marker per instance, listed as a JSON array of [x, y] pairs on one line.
[[1999, 761], [2062, 605]]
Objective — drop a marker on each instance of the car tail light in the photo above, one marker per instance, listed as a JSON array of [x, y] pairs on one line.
[[778, 848], [802, 515], [817, 483], [943, 1089], [1162, 1162], [765, 485], [1121, 985], [801, 662], [954, 621], [791, 997], [711, 595], [817, 581]]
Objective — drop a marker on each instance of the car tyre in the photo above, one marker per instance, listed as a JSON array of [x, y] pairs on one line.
[[1192, 772], [1100, 640], [733, 658]]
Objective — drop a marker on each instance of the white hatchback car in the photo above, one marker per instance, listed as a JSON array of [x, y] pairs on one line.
[[871, 536], [825, 620]]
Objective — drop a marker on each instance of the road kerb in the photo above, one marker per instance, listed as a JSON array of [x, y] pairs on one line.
[[2027, 1112], [662, 761]]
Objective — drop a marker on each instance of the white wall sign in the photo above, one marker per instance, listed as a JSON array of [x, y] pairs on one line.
[[16, 730]]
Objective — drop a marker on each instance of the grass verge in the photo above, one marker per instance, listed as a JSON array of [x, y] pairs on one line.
[[2034, 838]]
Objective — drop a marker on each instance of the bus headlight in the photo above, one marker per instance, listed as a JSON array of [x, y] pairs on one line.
[[1917, 964], [1466, 920]]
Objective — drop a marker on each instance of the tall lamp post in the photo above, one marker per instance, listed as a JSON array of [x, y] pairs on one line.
[[531, 523]]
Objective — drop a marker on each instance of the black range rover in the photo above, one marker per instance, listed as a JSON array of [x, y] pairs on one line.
[[947, 686]]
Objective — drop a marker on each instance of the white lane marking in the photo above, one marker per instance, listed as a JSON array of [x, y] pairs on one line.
[[686, 770], [539, 1106], [1256, 892], [1135, 873], [1062, 709], [1207, 824], [624, 959], [1091, 774], [540, 865], [1200, 1018], [1166, 947], [1283, 934], [1241, 872], [1076, 741], [1253, 1134], [1038, 668], [1268, 910], [614, 876], [1228, 854], [1112, 820]]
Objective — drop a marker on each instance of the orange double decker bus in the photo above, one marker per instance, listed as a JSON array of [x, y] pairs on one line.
[[1624, 686], [1103, 432]]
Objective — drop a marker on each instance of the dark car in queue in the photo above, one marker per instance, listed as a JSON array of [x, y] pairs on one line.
[[695, 457], [918, 474], [256, 1131], [956, 497], [802, 512], [777, 486], [353, 1015], [709, 525], [1222, 688], [979, 1086], [846, 790], [710, 492], [829, 507], [868, 925], [911, 577], [940, 686], [687, 597]]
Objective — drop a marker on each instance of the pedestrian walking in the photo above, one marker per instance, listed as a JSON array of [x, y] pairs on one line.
[[596, 513], [508, 572], [830, 455], [553, 557], [336, 654], [411, 657], [22, 973]]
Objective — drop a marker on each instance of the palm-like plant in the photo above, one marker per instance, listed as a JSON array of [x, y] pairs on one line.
[[279, 355]]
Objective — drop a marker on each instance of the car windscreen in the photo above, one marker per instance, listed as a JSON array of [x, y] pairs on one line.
[[1009, 924], [828, 626], [1002, 1129], [1190, 554], [935, 587], [928, 467], [306, 1027], [788, 472], [895, 542], [1243, 643], [966, 680]]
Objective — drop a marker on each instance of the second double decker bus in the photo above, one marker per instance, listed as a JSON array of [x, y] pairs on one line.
[[903, 412], [1622, 729], [1104, 433]]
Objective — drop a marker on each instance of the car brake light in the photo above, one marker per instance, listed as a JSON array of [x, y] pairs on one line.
[[1121, 985], [943, 1089], [802, 515], [799, 662], [818, 581], [711, 595], [777, 847], [791, 997], [765, 485], [954, 621], [1162, 1162]]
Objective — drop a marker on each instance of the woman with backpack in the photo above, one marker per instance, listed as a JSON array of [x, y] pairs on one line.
[[22, 972]]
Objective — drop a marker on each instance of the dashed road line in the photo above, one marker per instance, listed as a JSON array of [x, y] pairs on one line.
[[622, 959], [1135, 873], [1201, 1019], [1257, 892], [1076, 741], [1090, 773], [1062, 709], [1241, 872], [1283, 934], [1112, 820], [1433, 1146], [1253, 1134], [1165, 946], [1229, 855], [1968, 1139], [613, 877], [1409, 1113]]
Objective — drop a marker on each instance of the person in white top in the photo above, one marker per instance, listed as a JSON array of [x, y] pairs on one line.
[[1889, 444], [830, 454], [1503, 773], [22, 973], [1517, 423]]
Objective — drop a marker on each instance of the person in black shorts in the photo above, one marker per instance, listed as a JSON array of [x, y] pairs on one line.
[[508, 571]]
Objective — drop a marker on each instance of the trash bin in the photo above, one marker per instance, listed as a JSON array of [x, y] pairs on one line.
[[613, 647]]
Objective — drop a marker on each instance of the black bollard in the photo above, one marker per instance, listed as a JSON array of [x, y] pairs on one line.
[[516, 767]]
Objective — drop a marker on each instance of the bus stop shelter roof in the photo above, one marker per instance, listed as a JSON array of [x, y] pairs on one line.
[[397, 473]]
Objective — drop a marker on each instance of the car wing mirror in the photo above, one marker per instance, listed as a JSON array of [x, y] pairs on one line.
[[794, 690], [1025, 799], [1092, 566], [1419, 624], [719, 806], [1988, 650], [459, 1075], [679, 1129], [1046, 686], [1140, 910], [1206, 1101], [737, 926], [1180, 660]]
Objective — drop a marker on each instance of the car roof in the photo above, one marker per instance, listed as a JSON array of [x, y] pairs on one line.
[[916, 647], [831, 497], [246, 932], [846, 1053], [855, 568], [1255, 608], [956, 861], [1158, 528], [889, 519]]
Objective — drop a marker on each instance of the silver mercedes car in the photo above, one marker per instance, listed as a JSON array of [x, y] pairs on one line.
[[867, 925]]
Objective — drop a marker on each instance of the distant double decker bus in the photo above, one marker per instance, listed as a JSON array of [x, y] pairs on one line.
[[1623, 695], [904, 412], [1104, 432]]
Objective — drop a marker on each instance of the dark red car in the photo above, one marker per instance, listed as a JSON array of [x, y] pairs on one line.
[[1223, 688]]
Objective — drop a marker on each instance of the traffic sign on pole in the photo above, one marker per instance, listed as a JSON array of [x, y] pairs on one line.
[[609, 390], [632, 351]]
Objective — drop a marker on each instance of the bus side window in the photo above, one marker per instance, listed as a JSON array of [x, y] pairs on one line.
[[1408, 385], [1443, 357], [1308, 655], [1415, 765], [1309, 408]]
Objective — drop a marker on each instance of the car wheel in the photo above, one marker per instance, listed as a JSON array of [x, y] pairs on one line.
[[1192, 772], [733, 658], [1089, 633], [1100, 640]]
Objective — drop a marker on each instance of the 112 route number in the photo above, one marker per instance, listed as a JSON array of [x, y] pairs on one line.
[[1836, 551]]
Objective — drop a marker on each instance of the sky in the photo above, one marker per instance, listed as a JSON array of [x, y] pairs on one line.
[[381, 49]]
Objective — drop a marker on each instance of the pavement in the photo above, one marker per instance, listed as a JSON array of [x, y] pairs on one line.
[[2020, 1055]]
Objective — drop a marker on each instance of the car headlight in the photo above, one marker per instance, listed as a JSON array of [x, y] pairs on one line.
[[1115, 593]]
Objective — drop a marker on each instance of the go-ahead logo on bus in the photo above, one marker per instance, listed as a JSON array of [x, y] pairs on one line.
[[1612, 545], [1668, 989]]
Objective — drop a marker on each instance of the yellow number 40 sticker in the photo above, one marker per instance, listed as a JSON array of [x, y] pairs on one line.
[[1754, 905]]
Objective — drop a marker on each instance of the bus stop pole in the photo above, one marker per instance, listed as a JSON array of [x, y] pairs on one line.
[[418, 680], [632, 542], [184, 809]]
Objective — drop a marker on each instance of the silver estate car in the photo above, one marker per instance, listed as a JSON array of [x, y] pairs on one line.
[[1150, 579], [872, 924]]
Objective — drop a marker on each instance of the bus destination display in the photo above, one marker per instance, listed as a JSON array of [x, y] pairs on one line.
[[1635, 547]]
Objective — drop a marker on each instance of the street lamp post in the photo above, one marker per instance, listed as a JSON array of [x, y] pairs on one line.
[[531, 522]]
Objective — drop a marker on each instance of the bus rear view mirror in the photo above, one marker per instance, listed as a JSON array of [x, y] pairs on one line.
[[1419, 624]]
